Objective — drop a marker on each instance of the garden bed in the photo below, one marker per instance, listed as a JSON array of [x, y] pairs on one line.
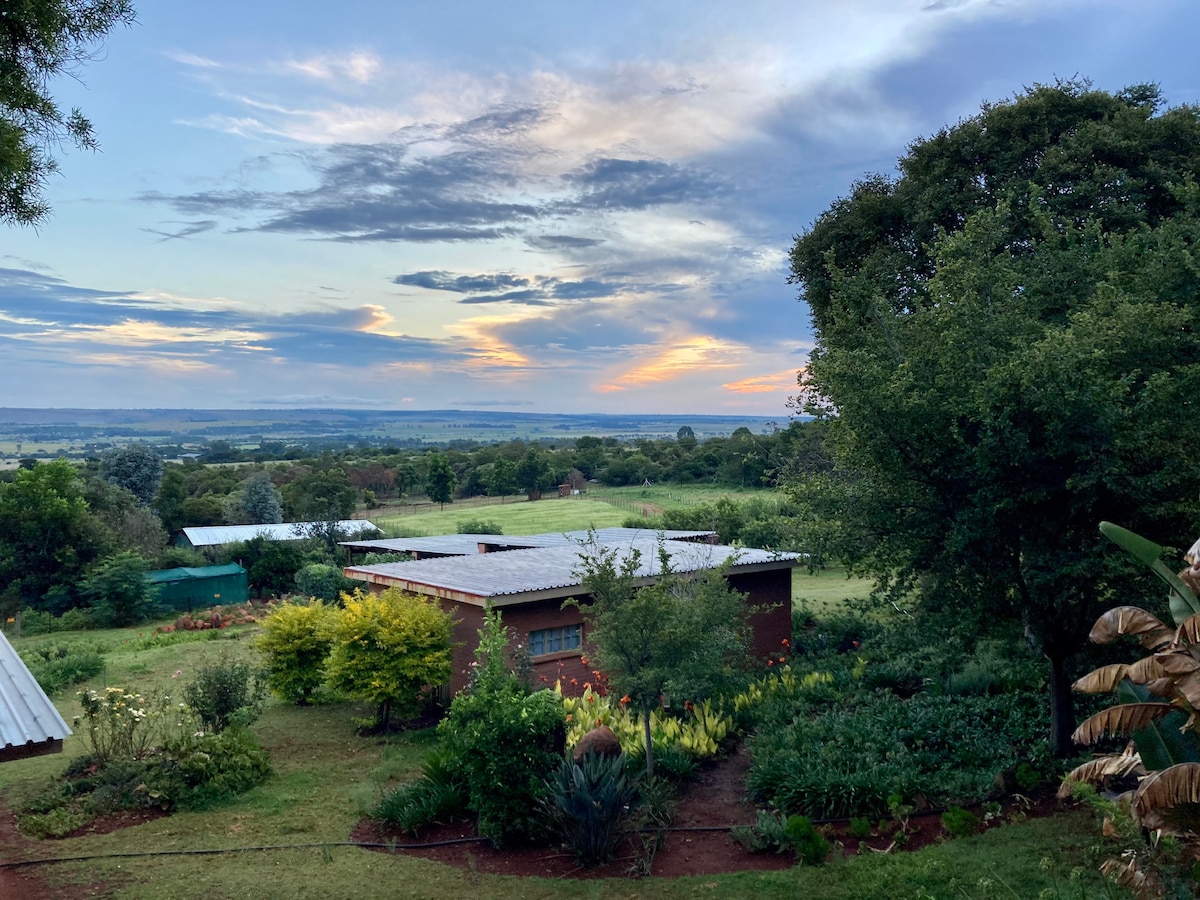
[[699, 844]]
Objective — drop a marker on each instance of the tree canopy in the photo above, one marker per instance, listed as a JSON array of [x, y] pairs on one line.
[[40, 39], [1006, 355]]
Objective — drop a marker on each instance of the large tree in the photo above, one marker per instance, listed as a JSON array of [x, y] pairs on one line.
[[39, 40], [136, 467], [1006, 354]]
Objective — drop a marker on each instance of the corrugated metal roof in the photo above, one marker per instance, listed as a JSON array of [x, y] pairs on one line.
[[29, 723], [468, 544], [161, 576], [213, 535], [554, 568]]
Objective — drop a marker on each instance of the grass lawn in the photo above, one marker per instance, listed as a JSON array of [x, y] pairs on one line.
[[827, 590], [325, 777], [592, 510], [518, 517]]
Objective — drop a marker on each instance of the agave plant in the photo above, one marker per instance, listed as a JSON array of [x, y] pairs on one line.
[[1159, 697]]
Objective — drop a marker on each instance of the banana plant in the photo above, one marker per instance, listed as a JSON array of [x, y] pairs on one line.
[[1159, 696]]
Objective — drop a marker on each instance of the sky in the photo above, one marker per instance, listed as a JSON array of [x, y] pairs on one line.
[[527, 206]]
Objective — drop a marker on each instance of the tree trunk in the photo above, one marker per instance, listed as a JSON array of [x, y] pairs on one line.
[[649, 743], [1062, 710]]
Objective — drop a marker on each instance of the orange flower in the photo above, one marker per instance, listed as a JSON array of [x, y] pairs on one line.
[[626, 700], [591, 697], [570, 718], [584, 660], [770, 662], [574, 681], [786, 642], [545, 680]]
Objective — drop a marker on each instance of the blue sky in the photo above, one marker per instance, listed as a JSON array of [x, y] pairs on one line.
[[537, 206]]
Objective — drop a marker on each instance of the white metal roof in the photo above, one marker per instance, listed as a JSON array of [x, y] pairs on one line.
[[29, 723], [554, 571], [213, 535], [469, 544]]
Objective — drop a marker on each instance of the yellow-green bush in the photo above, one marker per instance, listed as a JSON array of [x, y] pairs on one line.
[[389, 649], [296, 642]]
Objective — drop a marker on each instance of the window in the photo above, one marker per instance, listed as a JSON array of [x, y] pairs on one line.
[[554, 640]]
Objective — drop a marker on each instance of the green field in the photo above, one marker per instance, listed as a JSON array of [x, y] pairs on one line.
[[517, 517], [599, 508], [326, 776]]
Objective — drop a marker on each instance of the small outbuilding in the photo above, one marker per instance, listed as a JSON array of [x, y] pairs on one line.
[[191, 588], [467, 573], [30, 725]]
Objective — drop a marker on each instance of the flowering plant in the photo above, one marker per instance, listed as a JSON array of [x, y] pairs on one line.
[[121, 724]]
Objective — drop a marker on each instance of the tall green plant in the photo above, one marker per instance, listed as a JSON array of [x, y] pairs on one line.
[[682, 636], [507, 740]]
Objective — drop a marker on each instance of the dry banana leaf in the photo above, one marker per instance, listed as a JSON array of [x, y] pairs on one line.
[[1146, 669], [1189, 687], [1096, 770], [1121, 721], [1162, 687], [1166, 789], [1101, 681], [1128, 875], [1133, 621], [1177, 662], [1189, 631]]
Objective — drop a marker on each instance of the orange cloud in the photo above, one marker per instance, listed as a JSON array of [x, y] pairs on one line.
[[761, 384], [695, 354]]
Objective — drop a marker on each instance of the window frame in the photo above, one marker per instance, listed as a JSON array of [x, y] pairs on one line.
[[558, 635]]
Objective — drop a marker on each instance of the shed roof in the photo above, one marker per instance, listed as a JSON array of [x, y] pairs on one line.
[[213, 535], [161, 576], [29, 723], [520, 576], [469, 544]]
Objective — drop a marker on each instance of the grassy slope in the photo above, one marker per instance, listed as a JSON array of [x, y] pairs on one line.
[[325, 776]]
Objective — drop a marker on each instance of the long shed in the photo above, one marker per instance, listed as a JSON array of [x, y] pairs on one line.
[[190, 588]]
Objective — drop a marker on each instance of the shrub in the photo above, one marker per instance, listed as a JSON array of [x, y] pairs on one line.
[[390, 649], [225, 691], [479, 526], [78, 618], [118, 590], [440, 793], [810, 845], [201, 770], [959, 823], [296, 641], [323, 582], [766, 835], [508, 742], [58, 666], [589, 800]]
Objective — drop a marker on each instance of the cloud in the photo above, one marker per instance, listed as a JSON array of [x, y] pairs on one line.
[[529, 290], [759, 384], [189, 229], [625, 184], [358, 66]]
